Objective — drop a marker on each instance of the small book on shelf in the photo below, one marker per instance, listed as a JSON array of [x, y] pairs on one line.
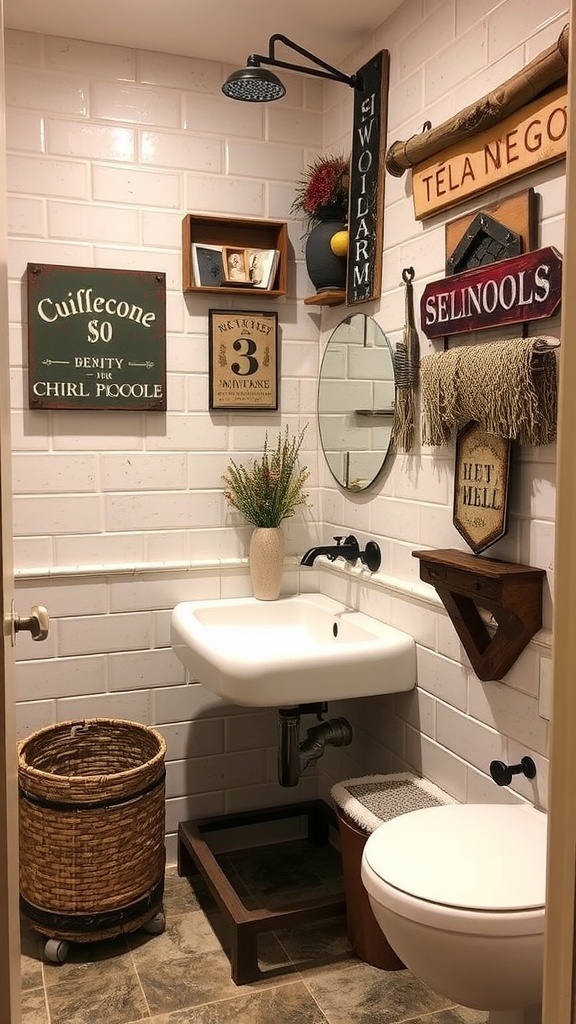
[[207, 265]]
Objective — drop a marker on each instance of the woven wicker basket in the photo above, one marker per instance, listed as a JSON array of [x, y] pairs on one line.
[[91, 802]]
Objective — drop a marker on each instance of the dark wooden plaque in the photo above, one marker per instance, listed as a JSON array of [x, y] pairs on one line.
[[523, 288], [518, 212], [367, 177], [485, 241], [96, 338]]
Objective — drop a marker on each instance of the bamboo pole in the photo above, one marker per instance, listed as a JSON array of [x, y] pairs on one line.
[[547, 69]]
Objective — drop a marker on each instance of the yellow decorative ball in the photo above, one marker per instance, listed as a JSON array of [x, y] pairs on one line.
[[339, 243]]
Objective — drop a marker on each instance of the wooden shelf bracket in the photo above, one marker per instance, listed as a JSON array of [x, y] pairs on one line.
[[511, 593]]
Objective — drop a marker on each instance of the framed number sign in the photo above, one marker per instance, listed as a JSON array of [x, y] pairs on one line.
[[243, 359]]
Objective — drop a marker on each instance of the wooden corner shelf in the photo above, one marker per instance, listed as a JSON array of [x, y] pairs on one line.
[[333, 298], [251, 233], [511, 592]]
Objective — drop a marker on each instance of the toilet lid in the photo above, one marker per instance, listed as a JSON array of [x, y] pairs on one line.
[[477, 856]]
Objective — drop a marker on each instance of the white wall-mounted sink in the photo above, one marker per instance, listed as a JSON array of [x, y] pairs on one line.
[[292, 651]]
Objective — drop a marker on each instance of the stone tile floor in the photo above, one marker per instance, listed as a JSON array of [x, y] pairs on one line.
[[309, 973]]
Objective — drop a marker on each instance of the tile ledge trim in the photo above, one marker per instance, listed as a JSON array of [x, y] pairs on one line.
[[414, 590], [360, 574], [128, 569]]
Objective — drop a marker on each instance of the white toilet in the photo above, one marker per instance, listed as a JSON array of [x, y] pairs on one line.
[[459, 891]]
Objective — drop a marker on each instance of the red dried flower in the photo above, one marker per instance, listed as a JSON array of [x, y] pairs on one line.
[[325, 184]]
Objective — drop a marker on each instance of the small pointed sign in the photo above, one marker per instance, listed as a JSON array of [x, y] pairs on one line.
[[481, 486]]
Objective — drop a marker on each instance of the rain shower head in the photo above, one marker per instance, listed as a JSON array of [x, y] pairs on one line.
[[254, 84]]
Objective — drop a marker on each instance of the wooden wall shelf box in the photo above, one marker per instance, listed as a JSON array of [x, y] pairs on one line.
[[250, 233], [511, 593]]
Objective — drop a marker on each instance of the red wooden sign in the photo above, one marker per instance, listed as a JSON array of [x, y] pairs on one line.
[[527, 287]]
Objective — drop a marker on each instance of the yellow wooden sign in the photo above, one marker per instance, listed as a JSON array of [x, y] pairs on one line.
[[532, 137]]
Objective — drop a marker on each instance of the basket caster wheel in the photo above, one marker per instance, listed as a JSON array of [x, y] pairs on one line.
[[156, 925], [56, 951]]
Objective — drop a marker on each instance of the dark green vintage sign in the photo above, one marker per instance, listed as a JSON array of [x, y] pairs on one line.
[[96, 338]]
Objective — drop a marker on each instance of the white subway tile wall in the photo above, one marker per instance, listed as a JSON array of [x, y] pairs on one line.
[[108, 149], [443, 57]]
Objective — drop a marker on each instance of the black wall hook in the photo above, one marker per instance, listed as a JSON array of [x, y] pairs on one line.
[[502, 773]]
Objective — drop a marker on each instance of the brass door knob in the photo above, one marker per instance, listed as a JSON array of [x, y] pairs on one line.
[[37, 623]]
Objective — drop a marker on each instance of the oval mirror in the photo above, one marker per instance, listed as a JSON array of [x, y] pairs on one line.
[[356, 393]]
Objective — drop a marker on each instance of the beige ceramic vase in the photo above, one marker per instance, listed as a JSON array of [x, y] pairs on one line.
[[266, 561]]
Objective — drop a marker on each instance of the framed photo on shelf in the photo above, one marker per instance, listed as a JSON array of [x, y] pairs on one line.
[[243, 359], [249, 268], [236, 266]]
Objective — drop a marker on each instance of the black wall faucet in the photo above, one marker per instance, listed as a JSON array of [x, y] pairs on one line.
[[348, 548]]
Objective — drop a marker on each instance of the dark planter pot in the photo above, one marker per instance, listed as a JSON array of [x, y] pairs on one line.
[[326, 270]]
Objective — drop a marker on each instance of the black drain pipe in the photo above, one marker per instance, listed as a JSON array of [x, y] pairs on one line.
[[295, 756], [288, 746]]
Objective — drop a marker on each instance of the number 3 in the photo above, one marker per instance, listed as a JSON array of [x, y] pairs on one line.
[[250, 348]]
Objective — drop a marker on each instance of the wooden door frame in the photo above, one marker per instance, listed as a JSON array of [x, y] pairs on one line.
[[9, 881], [559, 965]]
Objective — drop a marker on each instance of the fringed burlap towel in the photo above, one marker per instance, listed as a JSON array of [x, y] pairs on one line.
[[373, 799], [509, 387], [406, 373]]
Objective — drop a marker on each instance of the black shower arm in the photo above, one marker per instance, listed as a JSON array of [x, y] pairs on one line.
[[329, 72]]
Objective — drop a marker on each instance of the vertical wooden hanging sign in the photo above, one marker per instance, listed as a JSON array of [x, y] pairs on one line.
[[367, 176]]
